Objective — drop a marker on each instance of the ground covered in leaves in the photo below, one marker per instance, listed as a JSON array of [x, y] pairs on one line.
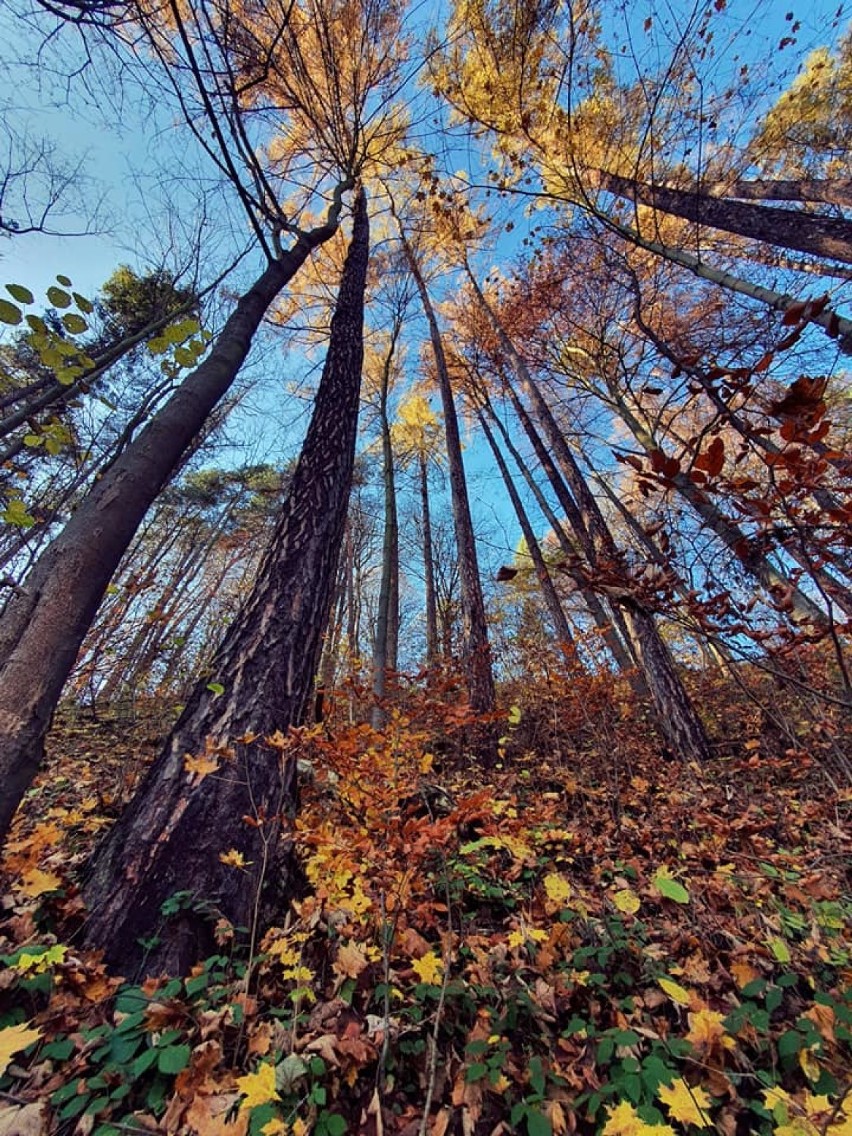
[[592, 938]]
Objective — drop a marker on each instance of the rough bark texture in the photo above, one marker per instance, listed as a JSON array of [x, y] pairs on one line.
[[477, 651], [813, 233], [44, 625], [170, 839], [837, 192]]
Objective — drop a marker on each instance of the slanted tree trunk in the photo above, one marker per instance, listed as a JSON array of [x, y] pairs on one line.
[[837, 192], [611, 627], [171, 838], [548, 590], [476, 649], [813, 233], [676, 716], [44, 625]]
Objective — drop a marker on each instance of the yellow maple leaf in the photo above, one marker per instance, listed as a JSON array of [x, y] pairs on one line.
[[13, 1039], [233, 858], [201, 765], [707, 1031], [258, 1087], [299, 1127], [686, 1105], [557, 888], [275, 1127], [37, 882], [627, 901], [623, 1120], [429, 968]]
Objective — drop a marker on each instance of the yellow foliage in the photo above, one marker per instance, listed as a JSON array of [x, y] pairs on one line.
[[13, 1039], [259, 1087], [686, 1105], [429, 968]]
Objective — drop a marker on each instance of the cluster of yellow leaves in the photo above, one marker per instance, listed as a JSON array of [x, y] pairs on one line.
[[807, 1115]]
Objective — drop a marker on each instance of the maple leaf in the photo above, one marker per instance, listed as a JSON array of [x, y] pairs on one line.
[[557, 888], [623, 1120], [37, 882], [707, 1031], [276, 1127], [258, 1087], [233, 858], [38, 963], [201, 765], [429, 968], [686, 1105], [350, 961], [13, 1039]]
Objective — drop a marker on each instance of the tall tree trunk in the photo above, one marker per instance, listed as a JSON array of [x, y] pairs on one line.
[[784, 189], [813, 233], [612, 628], [386, 642], [42, 628], [476, 650], [548, 590], [428, 564], [677, 719], [175, 831]]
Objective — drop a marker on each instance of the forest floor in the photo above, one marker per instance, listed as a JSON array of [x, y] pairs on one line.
[[592, 937]]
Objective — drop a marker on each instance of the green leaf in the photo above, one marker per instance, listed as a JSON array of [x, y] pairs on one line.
[[83, 304], [74, 324], [9, 313], [514, 715], [16, 513], [58, 298], [475, 1072], [216, 687], [143, 1062], [780, 949], [20, 293], [537, 1123], [64, 281], [670, 888], [789, 1043], [173, 1059]]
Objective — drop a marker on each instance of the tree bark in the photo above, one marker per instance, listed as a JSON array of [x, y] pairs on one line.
[[813, 233], [832, 192], [170, 839], [43, 626]]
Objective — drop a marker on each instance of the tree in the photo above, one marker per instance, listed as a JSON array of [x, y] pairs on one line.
[[221, 841], [328, 71], [415, 435], [476, 653]]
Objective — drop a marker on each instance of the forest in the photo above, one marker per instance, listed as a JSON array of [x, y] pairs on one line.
[[425, 568]]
